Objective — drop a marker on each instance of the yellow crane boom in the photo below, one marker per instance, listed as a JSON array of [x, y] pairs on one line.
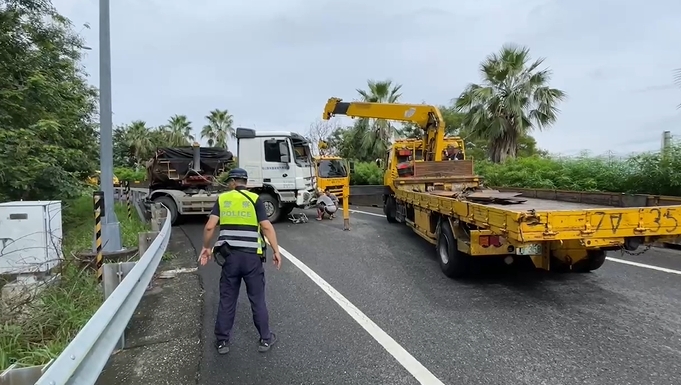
[[427, 117]]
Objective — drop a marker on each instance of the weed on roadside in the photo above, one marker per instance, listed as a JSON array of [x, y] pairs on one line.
[[46, 324]]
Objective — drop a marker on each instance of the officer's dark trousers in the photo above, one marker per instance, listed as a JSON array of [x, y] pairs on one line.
[[246, 266]]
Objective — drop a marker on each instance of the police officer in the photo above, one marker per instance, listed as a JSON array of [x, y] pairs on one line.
[[240, 249]]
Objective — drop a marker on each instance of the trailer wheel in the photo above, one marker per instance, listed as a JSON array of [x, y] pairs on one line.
[[453, 262], [170, 204], [390, 209], [594, 260], [271, 206]]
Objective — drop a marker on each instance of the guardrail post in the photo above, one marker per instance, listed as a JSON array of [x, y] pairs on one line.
[[145, 239], [15, 375], [113, 275], [156, 216]]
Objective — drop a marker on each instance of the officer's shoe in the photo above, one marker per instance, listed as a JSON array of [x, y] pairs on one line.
[[266, 345], [223, 347]]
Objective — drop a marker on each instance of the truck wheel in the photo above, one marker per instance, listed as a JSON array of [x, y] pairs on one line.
[[286, 210], [390, 209], [271, 206], [170, 204], [593, 261], [453, 262]]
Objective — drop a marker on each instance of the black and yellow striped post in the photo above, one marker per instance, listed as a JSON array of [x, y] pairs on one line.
[[98, 199], [128, 199]]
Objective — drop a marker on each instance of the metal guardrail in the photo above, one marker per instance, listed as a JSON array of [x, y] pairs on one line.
[[137, 197], [83, 360]]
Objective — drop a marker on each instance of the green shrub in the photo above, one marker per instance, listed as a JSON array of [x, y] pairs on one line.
[[366, 173], [649, 173], [643, 174], [125, 174]]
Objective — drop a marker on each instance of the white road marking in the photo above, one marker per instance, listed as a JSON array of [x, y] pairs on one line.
[[420, 373], [367, 213], [643, 265], [623, 261]]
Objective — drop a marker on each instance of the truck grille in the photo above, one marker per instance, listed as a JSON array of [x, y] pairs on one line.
[[336, 190]]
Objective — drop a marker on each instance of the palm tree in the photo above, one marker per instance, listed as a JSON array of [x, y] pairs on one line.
[[513, 99], [139, 139], [219, 128], [178, 131], [379, 132], [164, 136]]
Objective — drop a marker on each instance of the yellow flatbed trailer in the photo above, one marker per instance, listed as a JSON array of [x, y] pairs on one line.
[[465, 221]]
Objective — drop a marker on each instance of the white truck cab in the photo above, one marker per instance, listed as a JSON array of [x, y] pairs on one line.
[[280, 169]]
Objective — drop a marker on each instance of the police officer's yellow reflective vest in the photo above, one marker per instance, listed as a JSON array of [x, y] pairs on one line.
[[239, 226]]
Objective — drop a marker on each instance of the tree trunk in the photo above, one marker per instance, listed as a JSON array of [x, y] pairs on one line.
[[504, 147]]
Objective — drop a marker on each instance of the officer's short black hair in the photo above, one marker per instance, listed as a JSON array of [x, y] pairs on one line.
[[327, 190]]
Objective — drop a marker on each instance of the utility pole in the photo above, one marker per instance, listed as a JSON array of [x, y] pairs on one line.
[[111, 231], [666, 140]]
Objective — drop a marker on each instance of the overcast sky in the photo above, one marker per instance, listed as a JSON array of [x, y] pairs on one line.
[[273, 64]]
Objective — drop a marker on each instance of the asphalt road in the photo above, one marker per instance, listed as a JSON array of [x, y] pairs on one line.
[[619, 325]]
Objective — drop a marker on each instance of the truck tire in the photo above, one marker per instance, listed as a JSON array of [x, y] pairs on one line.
[[272, 207], [286, 210], [390, 209], [170, 204], [453, 263], [594, 260]]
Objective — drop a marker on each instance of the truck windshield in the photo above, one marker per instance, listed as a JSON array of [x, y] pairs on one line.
[[301, 154], [332, 168]]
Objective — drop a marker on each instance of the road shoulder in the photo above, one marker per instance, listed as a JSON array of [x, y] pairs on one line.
[[163, 345]]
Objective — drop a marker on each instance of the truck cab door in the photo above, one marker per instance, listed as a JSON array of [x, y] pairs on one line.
[[250, 158], [277, 164]]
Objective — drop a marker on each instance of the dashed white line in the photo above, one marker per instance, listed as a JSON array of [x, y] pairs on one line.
[[622, 261], [420, 373]]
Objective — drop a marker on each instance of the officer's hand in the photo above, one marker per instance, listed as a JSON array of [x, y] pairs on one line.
[[205, 256], [276, 259]]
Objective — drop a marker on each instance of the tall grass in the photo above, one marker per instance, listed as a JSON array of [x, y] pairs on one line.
[[51, 320]]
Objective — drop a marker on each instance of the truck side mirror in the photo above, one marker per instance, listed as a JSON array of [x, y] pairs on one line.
[[284, 154], [378, 163], [352, 167]]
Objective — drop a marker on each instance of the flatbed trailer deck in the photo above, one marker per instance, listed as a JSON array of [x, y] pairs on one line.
[[545, 204], [570, 232], [544, 220]]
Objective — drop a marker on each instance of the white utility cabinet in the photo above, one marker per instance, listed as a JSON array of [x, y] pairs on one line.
[[30, 236]]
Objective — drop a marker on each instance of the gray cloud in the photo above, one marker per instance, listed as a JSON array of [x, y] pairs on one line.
[[273, 64]]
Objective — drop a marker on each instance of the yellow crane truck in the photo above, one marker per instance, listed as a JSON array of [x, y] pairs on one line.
[[414, 147], [333, 172], [445, 203]]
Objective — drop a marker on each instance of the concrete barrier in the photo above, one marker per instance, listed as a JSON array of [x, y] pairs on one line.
[[369, 195]]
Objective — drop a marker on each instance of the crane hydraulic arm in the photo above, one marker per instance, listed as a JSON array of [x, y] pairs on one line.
[[428, 118]]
